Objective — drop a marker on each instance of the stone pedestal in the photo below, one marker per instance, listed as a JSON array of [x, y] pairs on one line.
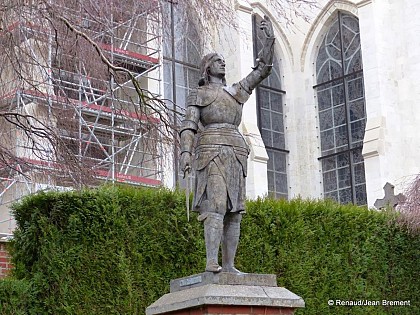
[[226, 293]]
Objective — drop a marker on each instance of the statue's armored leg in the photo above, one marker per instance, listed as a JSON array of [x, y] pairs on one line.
[[213, 229], [213, 210], [231, 232]]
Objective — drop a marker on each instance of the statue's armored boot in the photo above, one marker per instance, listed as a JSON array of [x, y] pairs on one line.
[[213, 229], [231, 232]]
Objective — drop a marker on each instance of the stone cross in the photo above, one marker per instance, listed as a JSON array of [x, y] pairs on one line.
[[389, 199]]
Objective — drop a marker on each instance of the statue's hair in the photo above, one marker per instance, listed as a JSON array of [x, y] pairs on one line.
[[204, 67]]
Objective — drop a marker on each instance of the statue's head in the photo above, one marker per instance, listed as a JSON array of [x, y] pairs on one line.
[[212, 64]]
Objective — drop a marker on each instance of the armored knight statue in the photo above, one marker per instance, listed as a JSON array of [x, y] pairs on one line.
[[220, 159]]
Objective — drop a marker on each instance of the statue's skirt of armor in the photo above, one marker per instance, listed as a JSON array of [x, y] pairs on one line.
[[221, 150]]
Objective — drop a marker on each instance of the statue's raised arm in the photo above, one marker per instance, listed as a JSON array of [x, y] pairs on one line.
[[264, 62]]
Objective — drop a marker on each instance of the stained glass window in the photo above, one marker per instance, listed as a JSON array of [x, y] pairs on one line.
[[270, 121], [342, 115]]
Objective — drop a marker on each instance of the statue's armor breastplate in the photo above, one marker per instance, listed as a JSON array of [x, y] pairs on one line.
[[221, 118], [223, 108], [220, 115]]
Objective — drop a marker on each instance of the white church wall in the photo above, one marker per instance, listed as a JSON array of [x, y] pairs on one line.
[[391, 51], [390, 37]]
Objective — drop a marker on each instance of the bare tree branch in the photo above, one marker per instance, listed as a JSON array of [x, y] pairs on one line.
[[410, 209], [71, 106]]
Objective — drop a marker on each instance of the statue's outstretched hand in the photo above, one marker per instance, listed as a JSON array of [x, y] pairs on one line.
[[267, 27]]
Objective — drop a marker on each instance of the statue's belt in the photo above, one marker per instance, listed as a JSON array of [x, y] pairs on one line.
[[213, 137], [239, 150], [220, 125]]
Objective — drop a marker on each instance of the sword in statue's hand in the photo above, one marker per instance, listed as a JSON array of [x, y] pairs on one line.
[[187, 171]]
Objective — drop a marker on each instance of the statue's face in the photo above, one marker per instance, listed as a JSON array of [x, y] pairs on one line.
[[217, 67]]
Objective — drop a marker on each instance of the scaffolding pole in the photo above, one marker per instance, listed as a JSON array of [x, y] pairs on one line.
[[100, 115]]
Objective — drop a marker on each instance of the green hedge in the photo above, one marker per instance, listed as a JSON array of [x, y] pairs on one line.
[[324, 251], [15, 297], [114, 251]]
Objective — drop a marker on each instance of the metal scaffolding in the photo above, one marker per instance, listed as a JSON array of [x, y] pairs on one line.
[[99, 114]]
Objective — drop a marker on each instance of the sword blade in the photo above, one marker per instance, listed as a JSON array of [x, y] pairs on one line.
[[188, 190], [187, 198]]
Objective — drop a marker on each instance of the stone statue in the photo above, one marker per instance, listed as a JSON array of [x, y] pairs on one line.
[[221, 151]]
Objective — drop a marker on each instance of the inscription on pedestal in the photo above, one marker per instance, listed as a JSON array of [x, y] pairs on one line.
[[190, 281]]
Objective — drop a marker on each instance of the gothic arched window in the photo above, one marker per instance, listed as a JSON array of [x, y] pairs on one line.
[[182, 52], [341, 107], [270, 120]]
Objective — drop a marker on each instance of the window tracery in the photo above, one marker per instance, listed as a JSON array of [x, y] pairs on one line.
[[341, 108]]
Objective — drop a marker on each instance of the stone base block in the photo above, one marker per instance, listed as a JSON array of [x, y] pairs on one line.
[[224, 278], [227, 299]]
